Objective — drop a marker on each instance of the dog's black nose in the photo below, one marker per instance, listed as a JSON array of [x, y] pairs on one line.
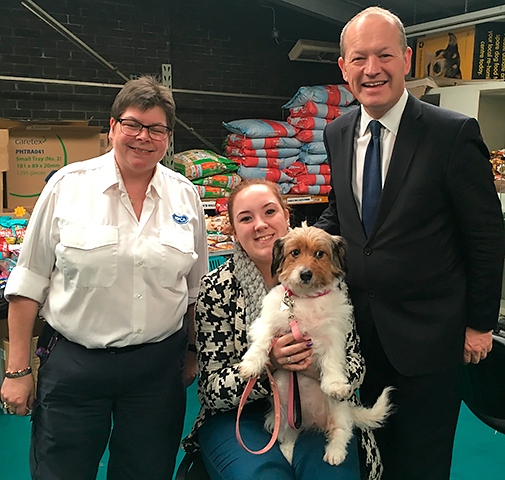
[[305, 276]]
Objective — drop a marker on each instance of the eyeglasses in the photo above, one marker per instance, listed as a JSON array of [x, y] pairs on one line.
[[133, 128]]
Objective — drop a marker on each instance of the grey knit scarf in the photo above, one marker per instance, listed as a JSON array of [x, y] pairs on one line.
[[251, 281]]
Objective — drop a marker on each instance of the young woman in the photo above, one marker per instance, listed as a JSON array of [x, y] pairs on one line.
[[229, 300]]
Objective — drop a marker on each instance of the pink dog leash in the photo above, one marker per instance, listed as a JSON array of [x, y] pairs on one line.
[[294, 403], [277, 413]]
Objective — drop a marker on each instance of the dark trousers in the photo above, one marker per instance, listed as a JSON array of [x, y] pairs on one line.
[[134, 400], [417, 441]]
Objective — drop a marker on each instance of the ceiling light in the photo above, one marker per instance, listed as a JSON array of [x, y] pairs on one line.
[[315, 51]]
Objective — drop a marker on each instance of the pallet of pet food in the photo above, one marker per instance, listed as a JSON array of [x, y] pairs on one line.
[[310, 110], [216, 186], [196, 163], [219, 233]]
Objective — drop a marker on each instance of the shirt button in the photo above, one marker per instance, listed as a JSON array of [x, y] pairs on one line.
[[371, 293], [367, 251], [140, 263], [139, 330], [139, 295]]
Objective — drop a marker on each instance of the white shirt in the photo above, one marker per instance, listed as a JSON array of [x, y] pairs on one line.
[[391, 122], [104, 277]]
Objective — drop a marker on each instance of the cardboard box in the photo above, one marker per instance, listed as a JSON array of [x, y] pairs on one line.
[[37, 328], [476, 52], [4, 347], [4, 150], [104, 143], [35, 149]]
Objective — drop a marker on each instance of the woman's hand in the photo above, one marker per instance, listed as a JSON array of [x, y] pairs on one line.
[[294, 356], [191, 368], [18, 395]]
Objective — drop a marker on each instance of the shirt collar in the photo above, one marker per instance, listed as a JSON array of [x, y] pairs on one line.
[[157, 181], [110, 173], [390, 120], [112, 176]]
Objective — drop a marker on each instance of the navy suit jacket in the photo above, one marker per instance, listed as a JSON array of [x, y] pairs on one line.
[[433, 262]]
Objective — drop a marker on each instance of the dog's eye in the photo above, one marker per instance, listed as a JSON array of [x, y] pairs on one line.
[[319, 254], [295, 253]]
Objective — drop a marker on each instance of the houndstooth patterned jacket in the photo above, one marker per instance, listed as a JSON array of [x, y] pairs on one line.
[[221, 340]]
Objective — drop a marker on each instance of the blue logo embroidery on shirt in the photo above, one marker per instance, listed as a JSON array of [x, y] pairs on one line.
[[180, 219]]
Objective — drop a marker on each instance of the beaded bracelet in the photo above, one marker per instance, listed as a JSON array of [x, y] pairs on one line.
[[19, 373]]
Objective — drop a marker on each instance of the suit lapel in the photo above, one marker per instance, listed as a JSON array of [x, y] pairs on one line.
[[409, 134], [345, 182]]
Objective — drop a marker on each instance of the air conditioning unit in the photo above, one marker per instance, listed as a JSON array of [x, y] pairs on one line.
[[315, 51]]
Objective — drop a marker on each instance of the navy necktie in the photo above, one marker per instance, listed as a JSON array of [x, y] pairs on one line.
[[372, 181]]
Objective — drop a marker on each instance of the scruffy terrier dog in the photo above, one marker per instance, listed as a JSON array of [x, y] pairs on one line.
[[310, 265]]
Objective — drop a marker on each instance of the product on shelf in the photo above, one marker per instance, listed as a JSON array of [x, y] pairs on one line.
[[260, 128], [196, 163], [219, 232]]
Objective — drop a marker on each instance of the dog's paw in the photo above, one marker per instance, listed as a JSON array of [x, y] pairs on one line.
[[249, 369], [334, 456], [336, 390], [287, 450]]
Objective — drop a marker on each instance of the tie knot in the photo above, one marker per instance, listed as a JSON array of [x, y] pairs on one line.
[[375, 128]]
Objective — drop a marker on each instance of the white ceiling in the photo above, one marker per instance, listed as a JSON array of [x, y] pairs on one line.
[[411, 12]]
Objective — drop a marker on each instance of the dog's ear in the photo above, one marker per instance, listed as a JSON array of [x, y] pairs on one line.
[[339, 259], [277, 256]]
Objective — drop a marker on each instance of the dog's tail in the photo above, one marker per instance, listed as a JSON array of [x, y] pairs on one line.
[[373, 417]]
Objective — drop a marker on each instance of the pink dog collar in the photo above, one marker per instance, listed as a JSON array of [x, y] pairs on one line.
[[291, 294]]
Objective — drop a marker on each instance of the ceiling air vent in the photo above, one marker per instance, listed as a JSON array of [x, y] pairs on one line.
[[315, 51]]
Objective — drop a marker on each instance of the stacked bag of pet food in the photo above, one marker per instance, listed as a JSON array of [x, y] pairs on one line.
[[310, 110], [213, 174], [263, 149]]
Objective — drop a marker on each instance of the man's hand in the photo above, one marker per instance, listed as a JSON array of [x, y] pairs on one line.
[[477, 345]]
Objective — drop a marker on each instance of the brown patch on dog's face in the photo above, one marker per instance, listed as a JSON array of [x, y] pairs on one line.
[[277, 256], [308, 259], [339, 256]]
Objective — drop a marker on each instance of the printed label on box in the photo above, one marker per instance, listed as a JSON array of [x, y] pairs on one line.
[[36, 152]]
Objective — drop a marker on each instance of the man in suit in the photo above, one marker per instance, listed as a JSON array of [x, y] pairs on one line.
[[425, 270]]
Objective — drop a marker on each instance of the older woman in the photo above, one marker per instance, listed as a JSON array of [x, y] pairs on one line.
[[229, 300], [113, 256]]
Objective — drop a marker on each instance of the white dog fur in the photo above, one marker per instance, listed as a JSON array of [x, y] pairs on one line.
[[310, 262]]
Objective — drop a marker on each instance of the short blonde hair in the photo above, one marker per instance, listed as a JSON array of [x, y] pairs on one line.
[[387, 15]]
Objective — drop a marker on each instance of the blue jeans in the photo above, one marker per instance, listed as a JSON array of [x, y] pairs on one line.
[[225, 459]]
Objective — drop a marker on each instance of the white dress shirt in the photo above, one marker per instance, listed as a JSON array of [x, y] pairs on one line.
[[391, 122], [103, 277]]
